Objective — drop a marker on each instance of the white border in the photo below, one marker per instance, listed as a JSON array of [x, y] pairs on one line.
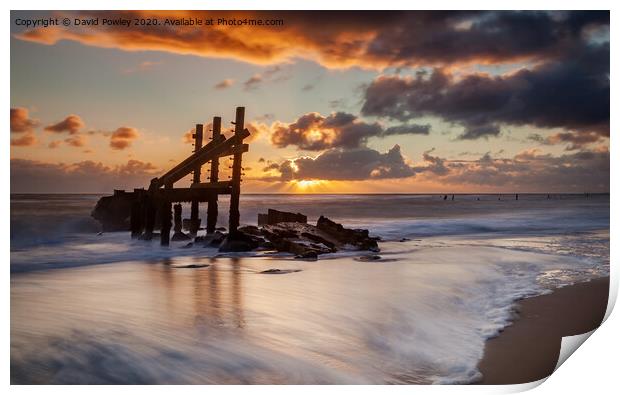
[[592, 370]]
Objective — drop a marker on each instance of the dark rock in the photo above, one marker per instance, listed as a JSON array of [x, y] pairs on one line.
[[221, 229], [188, 245], [356, 237], [310, 254], [369, 258], [267, 245], [191, 266], [404, 239], [250, 230], [113, 212], [318, 239], [275, 217], [239, 242], [180, 236], [280, 271]]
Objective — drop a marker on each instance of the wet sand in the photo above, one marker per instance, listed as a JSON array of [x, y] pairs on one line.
[[529, 349]]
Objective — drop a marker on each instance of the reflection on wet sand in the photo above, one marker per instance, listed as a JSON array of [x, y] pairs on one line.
[[420, 316]]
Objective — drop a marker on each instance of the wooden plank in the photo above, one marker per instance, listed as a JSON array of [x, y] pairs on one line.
[[201, 157], [213, 143], [211, 185], [189, 194]]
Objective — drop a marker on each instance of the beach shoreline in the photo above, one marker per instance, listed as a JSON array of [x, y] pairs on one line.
[[528, 350]]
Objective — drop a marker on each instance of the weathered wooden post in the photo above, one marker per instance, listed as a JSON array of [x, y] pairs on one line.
[[233, 220], [194, 218], [215, 164], [136, 219], [149, 215], [165, 217], [178, 212]]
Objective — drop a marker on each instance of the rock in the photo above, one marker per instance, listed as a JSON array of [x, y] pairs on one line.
[[280, 271], [221, 229], [404, 239], [191, 266], [369, 258], [113, 212], [318, 239], [239, 242], [356, 237], [274, 217], [308, 255], [180, 236], [188, 245], [250, 230]]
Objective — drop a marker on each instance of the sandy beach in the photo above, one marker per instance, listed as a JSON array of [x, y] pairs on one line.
[[528, 350]]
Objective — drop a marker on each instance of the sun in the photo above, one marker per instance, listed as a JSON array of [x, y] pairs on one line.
[[306, 186]]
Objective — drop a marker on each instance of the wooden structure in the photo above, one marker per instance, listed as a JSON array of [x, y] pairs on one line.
[[156, 201]]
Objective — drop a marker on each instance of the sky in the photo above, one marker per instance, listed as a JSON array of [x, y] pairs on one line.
[[337, 102]]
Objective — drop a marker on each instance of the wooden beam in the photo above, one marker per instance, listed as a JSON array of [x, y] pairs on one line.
[[205, 154], [212, 185], [189, 194]]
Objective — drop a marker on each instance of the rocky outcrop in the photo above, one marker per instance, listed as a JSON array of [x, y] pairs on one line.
[[275, 217], [113, 212], [303, 240], [239, 242], [359, 238]]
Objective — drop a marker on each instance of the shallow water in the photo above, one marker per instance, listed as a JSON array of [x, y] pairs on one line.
[[421, 314]]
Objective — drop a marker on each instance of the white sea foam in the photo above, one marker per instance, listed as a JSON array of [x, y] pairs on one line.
[[420, 314]]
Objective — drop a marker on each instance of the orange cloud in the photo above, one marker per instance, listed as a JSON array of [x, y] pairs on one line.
[[122, 137], [337, 39], [71, 124], [21, 121], [227, 83], [22, 124], [76, 141], [26, 140]]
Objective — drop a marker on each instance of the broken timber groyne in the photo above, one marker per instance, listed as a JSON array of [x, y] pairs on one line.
[[159, 207]]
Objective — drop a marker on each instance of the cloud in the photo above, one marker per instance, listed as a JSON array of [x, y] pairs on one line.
[[313, 131], [528, 171], [576, 140], [71, 124], [271, 74], [227, 83], [30, 176], [77, 141], [54, 144], [572, 94], [374, 39], [122, 137], [21, 121], [142, 66], [23, 126], [345, 164], [253, 82], [25, 140]]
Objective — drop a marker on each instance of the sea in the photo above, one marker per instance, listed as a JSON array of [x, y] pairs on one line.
[[92, 307]]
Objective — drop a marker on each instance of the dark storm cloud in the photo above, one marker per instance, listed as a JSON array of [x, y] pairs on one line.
[[572, 94], [346, 164], [528, 171], [314, 131], [340, 39]]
